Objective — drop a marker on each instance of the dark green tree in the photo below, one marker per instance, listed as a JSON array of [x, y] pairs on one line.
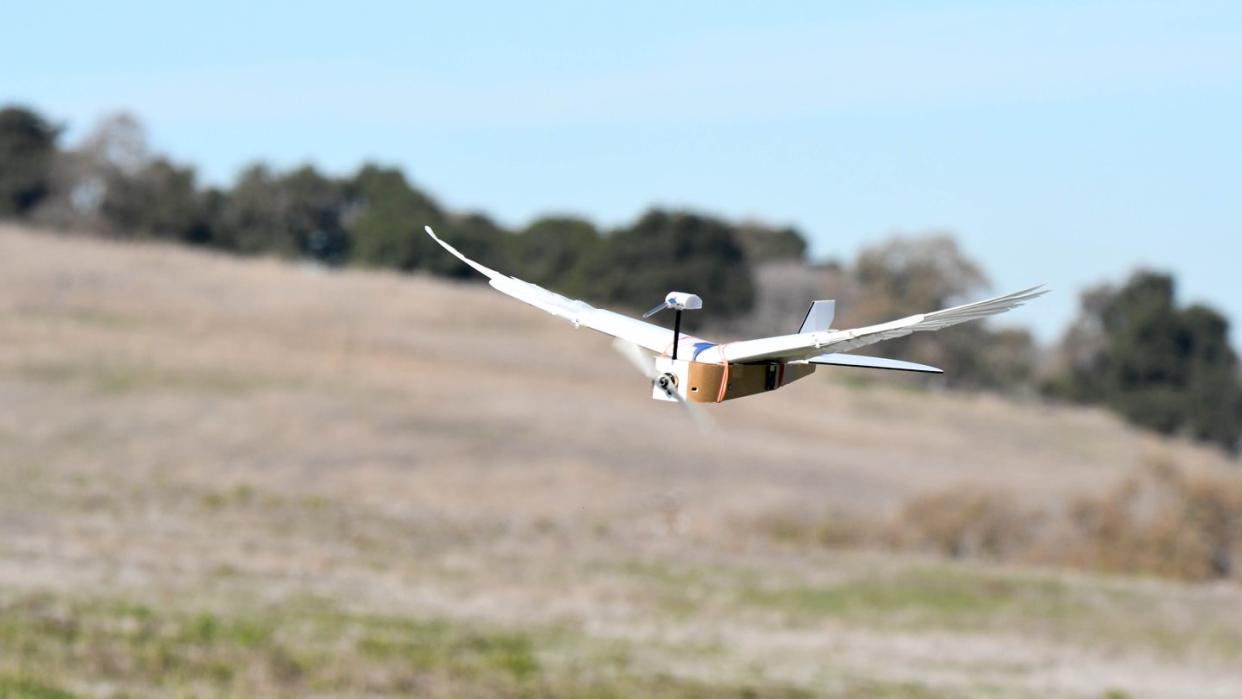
[[385, 220], [295, 214], [1164, 368], [665, 251], [477, 237], [27, 149], [1144, 365], [251, 219], [549, 251], [1213, 387], [161, 200]]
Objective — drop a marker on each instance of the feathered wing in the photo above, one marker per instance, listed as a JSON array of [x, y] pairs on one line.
[[800, 347], [643, 334], [806, 346]]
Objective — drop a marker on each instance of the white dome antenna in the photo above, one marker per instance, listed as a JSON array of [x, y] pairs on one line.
[[678, 301]]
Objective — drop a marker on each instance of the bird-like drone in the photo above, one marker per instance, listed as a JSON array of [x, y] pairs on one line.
[[688, 369]]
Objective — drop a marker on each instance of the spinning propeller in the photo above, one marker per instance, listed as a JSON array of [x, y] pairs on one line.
[[666, 382]]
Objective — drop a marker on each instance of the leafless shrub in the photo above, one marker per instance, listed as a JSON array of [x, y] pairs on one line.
[[962, 523], [1161, 521], [832, 530]]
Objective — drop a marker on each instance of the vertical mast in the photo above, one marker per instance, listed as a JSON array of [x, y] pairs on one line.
[[676, 330]]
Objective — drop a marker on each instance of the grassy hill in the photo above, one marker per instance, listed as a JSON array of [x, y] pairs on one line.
[[224, 477]]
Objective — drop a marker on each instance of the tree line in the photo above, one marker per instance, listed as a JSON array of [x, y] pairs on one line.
[[110, 184], [1132, 348]]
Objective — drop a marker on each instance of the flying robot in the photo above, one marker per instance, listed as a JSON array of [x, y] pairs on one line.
[[687, 369]]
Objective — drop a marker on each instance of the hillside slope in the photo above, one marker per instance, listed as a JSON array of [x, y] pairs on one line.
[[198, 434]]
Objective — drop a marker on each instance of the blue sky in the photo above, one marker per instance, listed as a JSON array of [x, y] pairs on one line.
[[1062, 142]]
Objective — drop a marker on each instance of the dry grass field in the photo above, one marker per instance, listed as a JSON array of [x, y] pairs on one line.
[[224, 477]]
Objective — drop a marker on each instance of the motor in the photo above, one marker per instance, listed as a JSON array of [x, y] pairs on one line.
[[667, 383]]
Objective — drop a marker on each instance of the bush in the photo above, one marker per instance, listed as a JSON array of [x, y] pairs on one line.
[[1161, 522], [963, 523]]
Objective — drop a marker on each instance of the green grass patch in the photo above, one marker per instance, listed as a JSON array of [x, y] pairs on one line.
[[442, 646], [19, 687], [935, 595], [119, 378], [310, 646], [944, 596], [872, 689]]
